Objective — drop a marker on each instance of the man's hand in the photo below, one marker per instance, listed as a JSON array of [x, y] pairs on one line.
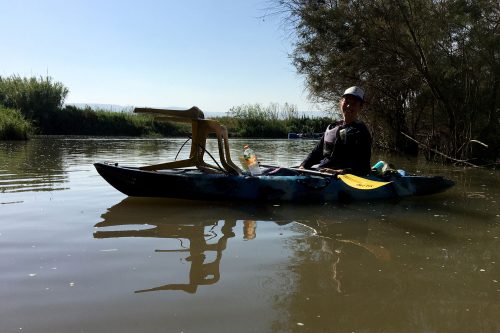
[[332, 171]]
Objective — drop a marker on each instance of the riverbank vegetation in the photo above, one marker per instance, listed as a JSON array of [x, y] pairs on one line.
[[430, 69], [40, 101], [35, 106], [71, 120], [272, 121]]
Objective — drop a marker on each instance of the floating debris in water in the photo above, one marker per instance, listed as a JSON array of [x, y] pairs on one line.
[[476, 195], [10, 202]]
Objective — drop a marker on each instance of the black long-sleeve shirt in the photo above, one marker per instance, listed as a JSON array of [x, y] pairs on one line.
[[349, 150]]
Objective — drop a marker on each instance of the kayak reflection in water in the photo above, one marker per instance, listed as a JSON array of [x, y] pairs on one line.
[[201, 272], [207, 230]]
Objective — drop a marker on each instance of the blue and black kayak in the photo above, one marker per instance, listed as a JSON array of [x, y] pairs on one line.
[[280, 185]]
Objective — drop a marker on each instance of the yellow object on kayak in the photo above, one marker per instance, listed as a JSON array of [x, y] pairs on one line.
[[361, 183]]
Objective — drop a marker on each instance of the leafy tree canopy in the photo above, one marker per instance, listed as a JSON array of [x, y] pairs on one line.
[[430, 68]]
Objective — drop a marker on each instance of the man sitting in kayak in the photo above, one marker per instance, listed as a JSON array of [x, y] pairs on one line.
[[346, 145]]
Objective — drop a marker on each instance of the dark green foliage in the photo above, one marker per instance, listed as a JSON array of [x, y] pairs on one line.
[[431, 69], [37, 98], [308, 125], [13, 126]]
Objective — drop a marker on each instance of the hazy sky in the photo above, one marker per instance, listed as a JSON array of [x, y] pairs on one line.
[[211, 53]]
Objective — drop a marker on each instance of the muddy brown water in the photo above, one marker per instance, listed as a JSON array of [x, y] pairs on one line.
[[79, 256]]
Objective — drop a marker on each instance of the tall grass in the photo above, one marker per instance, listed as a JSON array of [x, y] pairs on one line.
[[13, 126], [273, 121]]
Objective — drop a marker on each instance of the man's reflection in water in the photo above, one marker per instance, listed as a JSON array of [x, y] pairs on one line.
[[333, 241], [201, 272]]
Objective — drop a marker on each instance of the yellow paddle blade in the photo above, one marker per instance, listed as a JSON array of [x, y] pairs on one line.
[[361, 183]]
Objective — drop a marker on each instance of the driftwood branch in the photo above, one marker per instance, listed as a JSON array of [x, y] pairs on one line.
[[481, 143], [440, 153]]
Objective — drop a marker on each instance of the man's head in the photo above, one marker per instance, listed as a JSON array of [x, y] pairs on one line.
[[355, 91], [351, 103]]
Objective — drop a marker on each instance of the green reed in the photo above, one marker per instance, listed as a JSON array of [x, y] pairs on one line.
[[273, 121], [72, 120]]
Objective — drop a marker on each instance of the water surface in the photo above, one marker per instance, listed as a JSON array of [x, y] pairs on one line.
[[79, 256]]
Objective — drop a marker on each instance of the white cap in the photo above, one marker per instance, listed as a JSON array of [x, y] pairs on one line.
[[356, 92]]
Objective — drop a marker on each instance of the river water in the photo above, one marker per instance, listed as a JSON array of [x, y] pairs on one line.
[[79, 256]]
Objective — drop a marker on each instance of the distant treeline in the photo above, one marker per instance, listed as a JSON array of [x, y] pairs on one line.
[[36, 106]]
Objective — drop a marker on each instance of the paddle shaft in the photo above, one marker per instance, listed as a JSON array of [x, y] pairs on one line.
[[353, 181], [311, 172]]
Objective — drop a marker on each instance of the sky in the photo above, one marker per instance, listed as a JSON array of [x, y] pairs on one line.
[[214, 54]]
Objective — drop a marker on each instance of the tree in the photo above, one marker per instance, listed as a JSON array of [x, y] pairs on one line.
[[430, 67]]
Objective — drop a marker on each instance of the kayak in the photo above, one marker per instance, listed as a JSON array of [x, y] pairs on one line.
[[195, 179], [280, 185]]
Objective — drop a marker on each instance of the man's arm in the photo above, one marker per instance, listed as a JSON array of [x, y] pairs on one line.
[[314, 156]]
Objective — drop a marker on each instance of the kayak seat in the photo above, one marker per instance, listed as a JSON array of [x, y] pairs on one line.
[[201, 128]]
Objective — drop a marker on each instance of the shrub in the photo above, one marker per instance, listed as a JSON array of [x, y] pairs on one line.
[[13, 126], [37, 98]]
